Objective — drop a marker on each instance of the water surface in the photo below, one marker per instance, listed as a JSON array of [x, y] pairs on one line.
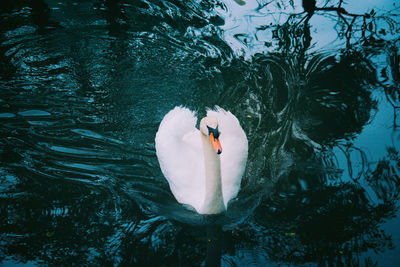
[[85, 84]]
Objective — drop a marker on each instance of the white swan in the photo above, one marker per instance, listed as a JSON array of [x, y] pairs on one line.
[[203, 168]]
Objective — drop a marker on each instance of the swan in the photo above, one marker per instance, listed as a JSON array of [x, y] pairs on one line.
[[203, 167]]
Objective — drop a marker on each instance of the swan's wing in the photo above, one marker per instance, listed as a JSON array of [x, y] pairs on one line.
[[234, 152], [180, 154]]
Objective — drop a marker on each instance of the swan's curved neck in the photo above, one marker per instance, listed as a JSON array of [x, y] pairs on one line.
[[213, 202]]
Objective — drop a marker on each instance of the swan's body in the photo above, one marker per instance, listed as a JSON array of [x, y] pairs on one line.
[[191, 160]]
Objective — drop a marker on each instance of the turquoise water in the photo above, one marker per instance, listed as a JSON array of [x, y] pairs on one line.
[[85, 84]]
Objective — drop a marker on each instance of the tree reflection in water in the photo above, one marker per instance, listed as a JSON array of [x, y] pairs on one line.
[[296, 206], [316, 213]]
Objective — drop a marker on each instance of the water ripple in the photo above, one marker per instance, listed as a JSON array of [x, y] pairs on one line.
[[85, 85]]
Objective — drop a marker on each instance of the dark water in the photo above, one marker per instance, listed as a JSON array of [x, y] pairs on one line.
[[84, 85]]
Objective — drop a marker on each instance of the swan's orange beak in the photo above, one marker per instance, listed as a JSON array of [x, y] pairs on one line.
[[216, 144]]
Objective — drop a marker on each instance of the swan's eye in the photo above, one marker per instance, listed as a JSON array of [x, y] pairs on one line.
[[213, 131]]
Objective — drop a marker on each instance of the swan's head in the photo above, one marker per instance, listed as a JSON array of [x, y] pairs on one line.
[[209, 127]]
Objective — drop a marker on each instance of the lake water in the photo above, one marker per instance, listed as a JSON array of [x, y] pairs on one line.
[[85, 84]]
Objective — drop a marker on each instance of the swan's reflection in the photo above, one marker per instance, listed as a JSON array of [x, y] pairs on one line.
[[214, 245]]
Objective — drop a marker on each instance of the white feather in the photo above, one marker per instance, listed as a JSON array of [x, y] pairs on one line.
[[233, 159], [180, 153]]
